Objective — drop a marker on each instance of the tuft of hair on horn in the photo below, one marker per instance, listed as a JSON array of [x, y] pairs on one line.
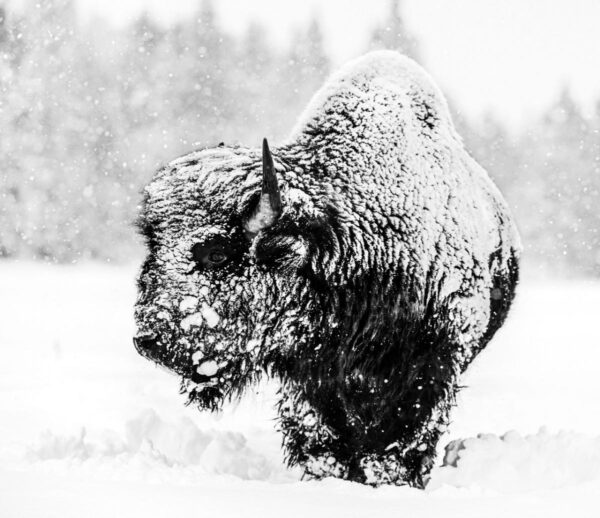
[[268, 208]]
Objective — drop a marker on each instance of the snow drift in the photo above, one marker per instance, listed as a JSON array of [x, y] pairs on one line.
[[516, 463], [178, 449], [183, 452]]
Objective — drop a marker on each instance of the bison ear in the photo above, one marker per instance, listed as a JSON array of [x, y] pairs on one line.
[[268, 209]]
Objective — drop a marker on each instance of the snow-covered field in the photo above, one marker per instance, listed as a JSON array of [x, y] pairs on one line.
[[88, 428]]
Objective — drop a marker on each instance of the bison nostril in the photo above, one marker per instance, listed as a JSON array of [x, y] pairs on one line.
[[145, 341], [200, 378]]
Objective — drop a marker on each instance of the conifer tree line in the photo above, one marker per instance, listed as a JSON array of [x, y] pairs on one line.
[[88, 112]]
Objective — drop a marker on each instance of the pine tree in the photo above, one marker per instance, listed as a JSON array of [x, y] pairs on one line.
[[9, 181], [211, 99], [303, 71], [46, 134], [253, 86], [588, 199], [392, 33], [556, 155]]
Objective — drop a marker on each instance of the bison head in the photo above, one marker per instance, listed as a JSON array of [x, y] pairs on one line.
[[228, 286]]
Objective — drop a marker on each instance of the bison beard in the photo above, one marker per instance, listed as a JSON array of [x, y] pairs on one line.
[[364, 264]]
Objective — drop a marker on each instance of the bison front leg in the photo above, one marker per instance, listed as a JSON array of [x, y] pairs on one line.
[[399, 438], [308, 440], [373, 431], [399, 463]]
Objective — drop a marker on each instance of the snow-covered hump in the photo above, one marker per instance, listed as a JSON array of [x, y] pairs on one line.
[[382, 127], [373, 90]]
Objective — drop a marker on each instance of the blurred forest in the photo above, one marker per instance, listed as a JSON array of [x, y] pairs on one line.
[[88, 112]]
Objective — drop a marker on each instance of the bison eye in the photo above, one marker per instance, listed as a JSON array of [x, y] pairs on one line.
[[210, 254], [217, 257]]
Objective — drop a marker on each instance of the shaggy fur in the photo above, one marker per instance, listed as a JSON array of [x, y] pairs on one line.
[[393, 263]]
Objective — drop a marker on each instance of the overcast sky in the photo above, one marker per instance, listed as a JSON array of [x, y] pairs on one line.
[[508, 56]]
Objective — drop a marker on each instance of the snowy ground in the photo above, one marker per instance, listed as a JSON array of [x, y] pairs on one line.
[[90, 429]]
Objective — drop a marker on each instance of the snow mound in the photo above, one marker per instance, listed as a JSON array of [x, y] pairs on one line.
[[176, 450], [181, 452], [513, 463]]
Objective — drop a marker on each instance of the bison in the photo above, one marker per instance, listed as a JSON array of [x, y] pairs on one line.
[[364, 263]]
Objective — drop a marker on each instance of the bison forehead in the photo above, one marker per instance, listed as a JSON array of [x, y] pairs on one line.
[[204, 186]]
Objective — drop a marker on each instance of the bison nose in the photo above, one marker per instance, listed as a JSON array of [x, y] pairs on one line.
[[145, 341]]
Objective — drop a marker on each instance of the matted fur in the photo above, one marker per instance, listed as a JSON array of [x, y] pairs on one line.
[[393, 263]]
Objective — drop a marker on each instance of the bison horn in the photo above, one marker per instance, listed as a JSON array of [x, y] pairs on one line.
[[268, 208]]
